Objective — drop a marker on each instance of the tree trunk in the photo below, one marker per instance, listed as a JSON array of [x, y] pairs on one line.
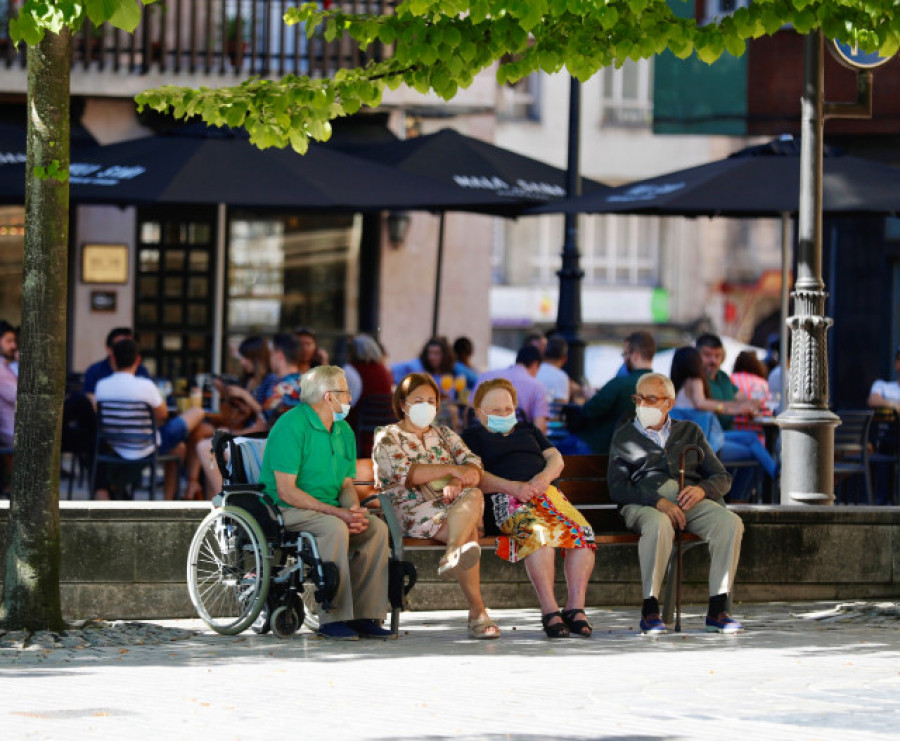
[[31, 584]]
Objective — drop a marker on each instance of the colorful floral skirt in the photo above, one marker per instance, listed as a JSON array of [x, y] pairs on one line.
[[550, 520]]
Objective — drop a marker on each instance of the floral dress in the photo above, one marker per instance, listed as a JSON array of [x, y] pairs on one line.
[[394, 453]]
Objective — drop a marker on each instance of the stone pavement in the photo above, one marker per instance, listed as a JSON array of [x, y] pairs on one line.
[[800, 671]]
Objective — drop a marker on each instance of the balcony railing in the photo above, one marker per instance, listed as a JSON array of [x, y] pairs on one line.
[[237, 38]]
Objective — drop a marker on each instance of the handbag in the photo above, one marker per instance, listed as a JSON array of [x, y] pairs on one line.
[[432, 490]]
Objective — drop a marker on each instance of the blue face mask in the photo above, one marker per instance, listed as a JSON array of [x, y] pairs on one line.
[[341, 415], [501, 424]]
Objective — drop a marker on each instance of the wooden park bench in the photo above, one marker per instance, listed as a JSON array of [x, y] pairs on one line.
[[583, 481]]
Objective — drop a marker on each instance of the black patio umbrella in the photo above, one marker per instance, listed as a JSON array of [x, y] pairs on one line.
[[13, 140], [760, 181], [229, 170], [473, 166]]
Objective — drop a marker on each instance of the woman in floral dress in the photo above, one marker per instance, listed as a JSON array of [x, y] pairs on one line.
[[415, 452]]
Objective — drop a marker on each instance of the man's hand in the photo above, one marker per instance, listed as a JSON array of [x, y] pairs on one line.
[[673, 512], [689, 496], [355, 517]]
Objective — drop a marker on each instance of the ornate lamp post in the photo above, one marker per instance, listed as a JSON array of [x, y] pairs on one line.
[[807, 424]]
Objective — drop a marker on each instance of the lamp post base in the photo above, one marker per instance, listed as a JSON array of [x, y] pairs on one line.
[[807, 450]]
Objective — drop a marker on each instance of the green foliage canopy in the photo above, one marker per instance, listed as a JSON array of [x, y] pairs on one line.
[[441, 45], [37, 17]]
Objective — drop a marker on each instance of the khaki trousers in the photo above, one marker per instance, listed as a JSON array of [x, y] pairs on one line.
[[362, 560], [721, 528]]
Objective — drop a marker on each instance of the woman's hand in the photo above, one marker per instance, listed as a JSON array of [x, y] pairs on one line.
[[540, 483], [468, 475], [453, 490], [524, 491]]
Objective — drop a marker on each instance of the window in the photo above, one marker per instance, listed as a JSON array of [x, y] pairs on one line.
[[715, 10], [628, 94], [520, 101], [290, 270], [12, 245], [615, 250], [620, 250]]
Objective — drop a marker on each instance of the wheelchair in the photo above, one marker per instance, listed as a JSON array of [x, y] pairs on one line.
[[244, 570]]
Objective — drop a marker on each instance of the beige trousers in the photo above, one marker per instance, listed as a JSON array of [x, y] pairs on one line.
[[721, 528], [362, 561]]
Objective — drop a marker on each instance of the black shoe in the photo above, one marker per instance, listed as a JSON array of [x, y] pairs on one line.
[[370, 629]]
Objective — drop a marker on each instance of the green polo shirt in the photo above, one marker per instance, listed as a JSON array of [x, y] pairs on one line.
[[722, 389], [300, 445], [602, 413]]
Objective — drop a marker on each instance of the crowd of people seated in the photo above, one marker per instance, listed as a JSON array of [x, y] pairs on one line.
[[456, 479]]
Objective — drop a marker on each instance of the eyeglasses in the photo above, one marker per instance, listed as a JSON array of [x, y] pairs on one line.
[[639, 399], [338, 391]]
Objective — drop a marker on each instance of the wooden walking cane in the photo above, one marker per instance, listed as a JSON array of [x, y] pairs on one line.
[[701, 455]]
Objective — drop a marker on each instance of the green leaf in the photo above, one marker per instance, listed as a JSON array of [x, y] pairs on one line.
[[126, 16], [735, 46], [25, 29]]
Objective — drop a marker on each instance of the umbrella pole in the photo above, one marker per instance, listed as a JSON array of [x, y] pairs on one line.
[[218, 328], [437, 276]]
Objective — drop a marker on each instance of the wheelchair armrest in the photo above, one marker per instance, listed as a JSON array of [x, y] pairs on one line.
[[244, 487]]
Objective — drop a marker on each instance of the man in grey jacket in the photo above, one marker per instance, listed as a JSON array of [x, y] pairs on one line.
[[643, 474]]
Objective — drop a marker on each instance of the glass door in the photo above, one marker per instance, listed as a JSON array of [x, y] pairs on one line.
[[174, 290]]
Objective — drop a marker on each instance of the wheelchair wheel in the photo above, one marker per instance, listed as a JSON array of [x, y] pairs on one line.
[[287, 619], [228, 570]]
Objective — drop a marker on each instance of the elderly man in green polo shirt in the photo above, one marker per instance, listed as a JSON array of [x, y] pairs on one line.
[[307, 470]]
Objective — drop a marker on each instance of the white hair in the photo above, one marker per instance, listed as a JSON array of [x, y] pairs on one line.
[[661, 378], [316, 382]]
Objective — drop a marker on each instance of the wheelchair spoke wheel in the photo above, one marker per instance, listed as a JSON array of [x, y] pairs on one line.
[[228, 570]]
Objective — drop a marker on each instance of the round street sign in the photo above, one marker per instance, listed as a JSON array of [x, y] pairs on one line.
[[854, 57]]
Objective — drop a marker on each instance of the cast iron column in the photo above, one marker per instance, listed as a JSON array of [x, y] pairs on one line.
[[568, 312], [807, 425]]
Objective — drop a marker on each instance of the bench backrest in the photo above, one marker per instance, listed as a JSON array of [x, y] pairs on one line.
[[583, 481]]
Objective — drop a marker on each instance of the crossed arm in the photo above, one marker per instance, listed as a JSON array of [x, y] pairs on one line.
[[525, 491]]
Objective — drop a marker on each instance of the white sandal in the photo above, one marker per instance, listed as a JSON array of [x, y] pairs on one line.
[[459, 559]]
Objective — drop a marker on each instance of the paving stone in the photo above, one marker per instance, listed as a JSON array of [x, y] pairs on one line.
[[795, 673]]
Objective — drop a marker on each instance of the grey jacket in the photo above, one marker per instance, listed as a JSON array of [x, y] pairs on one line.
[[638, 466]]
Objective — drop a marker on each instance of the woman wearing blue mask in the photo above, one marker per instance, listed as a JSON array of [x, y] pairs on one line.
[[414, 453], [530, 515]]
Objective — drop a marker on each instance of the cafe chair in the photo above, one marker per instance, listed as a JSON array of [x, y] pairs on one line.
[[851, 452], [126, 425], [79, 422]]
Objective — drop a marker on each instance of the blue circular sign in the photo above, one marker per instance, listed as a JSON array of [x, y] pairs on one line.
[[854, 57]]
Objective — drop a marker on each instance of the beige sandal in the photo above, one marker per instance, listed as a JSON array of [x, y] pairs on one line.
[[459, 559], [483, 628]]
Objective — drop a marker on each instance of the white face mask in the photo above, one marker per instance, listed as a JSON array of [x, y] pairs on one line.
[[648, 416], [422, 413]]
